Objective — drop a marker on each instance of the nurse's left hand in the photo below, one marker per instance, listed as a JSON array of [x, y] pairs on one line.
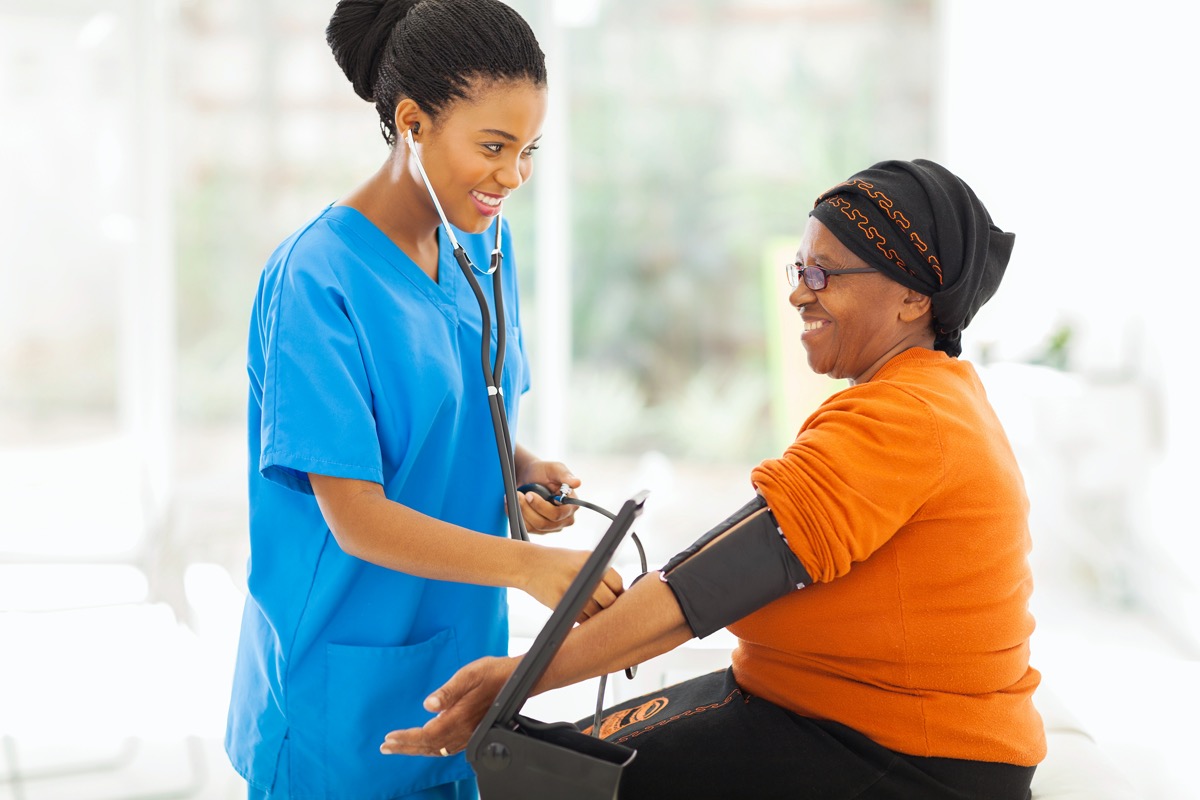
[[460, 704], [542, 516]]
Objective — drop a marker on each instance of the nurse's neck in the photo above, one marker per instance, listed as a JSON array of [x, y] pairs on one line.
[[400, 207]]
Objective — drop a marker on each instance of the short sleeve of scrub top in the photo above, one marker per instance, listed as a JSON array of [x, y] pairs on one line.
[[317, 413]]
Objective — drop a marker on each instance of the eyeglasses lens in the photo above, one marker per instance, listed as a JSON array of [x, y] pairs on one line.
[[814, 278]]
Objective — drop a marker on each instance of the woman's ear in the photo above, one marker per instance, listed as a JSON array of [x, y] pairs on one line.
[[914, 305], [409, 116]]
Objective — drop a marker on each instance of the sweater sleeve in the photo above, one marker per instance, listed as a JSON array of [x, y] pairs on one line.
[[859, 469]]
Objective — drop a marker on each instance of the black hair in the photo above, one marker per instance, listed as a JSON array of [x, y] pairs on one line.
[[429, 51]]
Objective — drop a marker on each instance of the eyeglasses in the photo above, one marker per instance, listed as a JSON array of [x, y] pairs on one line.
[[816, 278]]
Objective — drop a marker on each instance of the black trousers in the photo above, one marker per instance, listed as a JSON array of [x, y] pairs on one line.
[[706, 738]]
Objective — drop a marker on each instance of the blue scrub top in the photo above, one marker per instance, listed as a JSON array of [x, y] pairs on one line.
[[363, 367]]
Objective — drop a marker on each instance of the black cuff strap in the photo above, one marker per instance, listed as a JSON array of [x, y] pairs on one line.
[[719, 582]]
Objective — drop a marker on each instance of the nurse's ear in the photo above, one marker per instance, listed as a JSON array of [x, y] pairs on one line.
[[409, 117]]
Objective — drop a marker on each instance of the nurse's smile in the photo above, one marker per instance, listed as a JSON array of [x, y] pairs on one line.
[[487, 204]]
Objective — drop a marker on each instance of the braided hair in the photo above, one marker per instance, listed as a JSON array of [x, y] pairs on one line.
[[429, 51]]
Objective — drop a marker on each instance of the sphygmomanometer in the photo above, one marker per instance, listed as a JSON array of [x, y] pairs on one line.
[[737, 567]]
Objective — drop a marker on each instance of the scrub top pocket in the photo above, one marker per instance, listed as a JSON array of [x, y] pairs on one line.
[[373, 690]]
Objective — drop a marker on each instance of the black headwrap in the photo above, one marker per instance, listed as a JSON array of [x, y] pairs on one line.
[[922, 226]]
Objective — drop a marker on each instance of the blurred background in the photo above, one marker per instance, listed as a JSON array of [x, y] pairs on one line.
[[153, 153]]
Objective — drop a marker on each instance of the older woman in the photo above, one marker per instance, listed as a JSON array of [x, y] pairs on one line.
[[900, 669]]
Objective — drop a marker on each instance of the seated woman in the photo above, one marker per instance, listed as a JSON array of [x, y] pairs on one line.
[[890, 656]]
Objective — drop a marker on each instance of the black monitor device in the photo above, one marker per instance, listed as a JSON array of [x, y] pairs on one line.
[[517, 758]]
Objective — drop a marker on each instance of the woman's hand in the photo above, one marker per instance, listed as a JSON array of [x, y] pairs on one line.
[[460, 704], [552, 572], [542, 516]]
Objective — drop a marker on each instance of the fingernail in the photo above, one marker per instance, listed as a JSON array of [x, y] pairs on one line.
[[432, 703]]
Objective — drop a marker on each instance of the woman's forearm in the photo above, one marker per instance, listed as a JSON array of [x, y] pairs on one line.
[[644, 622], [369, 526]]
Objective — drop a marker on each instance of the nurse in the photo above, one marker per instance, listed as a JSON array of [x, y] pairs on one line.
[[378, 555]]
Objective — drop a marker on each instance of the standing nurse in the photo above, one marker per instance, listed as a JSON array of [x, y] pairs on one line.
[[378, 560]]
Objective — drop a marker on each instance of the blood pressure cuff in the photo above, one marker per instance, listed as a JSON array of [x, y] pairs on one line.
[[733, 570]]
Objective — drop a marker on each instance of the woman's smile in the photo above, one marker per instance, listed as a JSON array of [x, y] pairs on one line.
[[811, 326], [487, 204]]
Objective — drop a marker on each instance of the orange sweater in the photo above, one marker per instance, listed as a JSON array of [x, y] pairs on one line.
[[902, 498]]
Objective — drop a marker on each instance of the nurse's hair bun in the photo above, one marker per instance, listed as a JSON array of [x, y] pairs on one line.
[[358, 34], [432, 51]]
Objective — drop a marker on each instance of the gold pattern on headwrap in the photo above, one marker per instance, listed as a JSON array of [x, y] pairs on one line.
[[872, 233]]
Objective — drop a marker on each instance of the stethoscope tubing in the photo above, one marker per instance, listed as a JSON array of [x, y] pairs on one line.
[[492, 373]]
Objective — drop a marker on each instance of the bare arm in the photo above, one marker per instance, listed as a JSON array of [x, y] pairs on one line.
[[644, 622], [367, 525]]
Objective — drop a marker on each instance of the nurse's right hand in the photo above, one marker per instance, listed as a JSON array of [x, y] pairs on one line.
[[554, 569]]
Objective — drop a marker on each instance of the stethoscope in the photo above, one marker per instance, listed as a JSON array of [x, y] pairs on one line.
[[491, 372], [491, 375]]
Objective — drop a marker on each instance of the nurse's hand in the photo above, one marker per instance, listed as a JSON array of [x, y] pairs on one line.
[[460, 704], [542, 516], [552, 571]]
